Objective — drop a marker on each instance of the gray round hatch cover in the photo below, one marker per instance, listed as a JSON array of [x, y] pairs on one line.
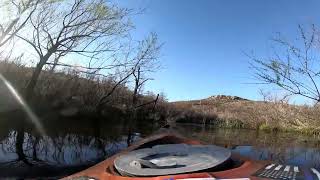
[[170, 159]]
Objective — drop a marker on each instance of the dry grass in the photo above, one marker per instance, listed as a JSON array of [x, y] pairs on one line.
[[69, 88], [254, 115]]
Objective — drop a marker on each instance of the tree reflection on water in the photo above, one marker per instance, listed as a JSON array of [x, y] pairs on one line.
[[68, 151], [68, 147]]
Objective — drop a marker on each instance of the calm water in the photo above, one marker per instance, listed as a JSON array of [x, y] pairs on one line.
[[69, 145], [73, 145], [288, 148]]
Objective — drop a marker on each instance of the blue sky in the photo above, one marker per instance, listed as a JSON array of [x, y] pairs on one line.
[[204, 41]]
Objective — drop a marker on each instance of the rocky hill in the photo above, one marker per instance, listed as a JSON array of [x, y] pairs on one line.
[[237, 112], [226, 98]]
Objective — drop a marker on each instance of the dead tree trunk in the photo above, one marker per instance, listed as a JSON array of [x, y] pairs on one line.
[[33, 81], [132, 109], [36, 74]]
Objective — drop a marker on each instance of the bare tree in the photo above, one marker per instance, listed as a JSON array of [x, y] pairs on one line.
[[145, 62], [295, 68], [86, 28], [140, 60], [15, 14]]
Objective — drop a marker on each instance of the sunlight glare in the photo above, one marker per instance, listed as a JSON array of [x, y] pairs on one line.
[[32, 116]]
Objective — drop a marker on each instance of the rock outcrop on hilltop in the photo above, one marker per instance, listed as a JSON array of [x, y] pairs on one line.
[[225, 97]]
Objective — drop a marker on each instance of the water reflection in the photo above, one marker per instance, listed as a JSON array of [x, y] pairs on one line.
[[70, 145], [75, 144], [67, 151], [288, 148], [70, 149]]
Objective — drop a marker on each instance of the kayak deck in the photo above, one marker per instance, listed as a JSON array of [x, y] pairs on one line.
[[236, 167]]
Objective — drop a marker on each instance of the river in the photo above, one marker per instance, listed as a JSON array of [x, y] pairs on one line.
[[71, 145]]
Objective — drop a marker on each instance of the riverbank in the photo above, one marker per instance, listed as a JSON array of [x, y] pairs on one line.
[[69, 95], [235, 112]]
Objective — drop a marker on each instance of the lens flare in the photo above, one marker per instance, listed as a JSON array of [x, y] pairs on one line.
[[32, 116]]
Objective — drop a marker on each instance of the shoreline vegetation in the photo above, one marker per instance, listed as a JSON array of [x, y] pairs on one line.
[[66, 94], [235, 112]]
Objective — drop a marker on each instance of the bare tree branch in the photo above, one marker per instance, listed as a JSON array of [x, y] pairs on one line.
[[85, 27], [297, 71], [24, 10]]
